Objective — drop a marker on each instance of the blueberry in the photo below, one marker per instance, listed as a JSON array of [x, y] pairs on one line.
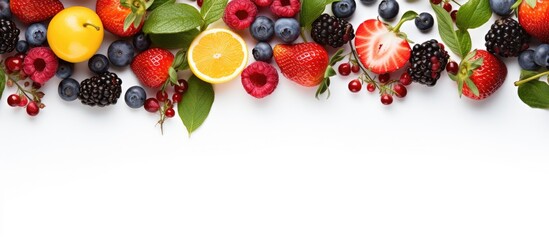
[[526, 60], [388, 9], [22, 46], [135, 97], [36, 34], [120, 53], [262, 52], [287, 29], [141, 42], [5, 11], [99, 63], [367, 2], [502, 7], [344, 8], [68, 89], [424, 21], [64, 69], [541, 55], [262, 29]]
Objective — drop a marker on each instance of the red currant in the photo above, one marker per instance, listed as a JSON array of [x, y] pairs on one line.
[[400, 90], [14, 100], [447, 6], [355, 68], [176, 97], [454, 14], [169, 103], [405, 79], [161, 96], [386, 99], [170, 113], [20, 56], [370, 87], [14, 64], [33, 109], [182, 86], [344, 69], [384, 78], [24, 101], [151, 105], [199, 2], [436, 1], [452, 67], [355, 85]]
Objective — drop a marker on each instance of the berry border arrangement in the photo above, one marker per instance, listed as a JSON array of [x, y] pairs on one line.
[[150, 30]]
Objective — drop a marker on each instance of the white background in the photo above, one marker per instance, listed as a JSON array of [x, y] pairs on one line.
[[430, 166]]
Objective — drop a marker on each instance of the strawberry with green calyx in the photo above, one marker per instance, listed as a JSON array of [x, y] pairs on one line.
[[480, 74], [382, 48], [533, 17], [303, 63], [123, 18], [139, 9]]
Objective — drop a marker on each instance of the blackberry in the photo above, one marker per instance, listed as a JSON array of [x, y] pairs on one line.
[[9, 35], [101, 90], [428, 60], [332, 31], [506, 38]]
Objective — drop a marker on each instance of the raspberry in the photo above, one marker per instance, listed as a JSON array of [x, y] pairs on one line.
[[285, 8], [239, 14], [263, 3], [259, 79], [40, 64]]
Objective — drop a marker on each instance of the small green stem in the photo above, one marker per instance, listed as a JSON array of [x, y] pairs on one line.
[[359, 63], [454, 1], [91, 25], [522, 81], [23, 90]]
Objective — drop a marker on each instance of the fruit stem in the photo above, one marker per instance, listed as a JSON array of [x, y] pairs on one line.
[[407, 16], [353, 51], [454, 1], [23, 90], [89, 24], [522, 81]]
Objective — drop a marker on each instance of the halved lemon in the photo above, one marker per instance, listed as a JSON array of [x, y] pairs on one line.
[[217, 55]]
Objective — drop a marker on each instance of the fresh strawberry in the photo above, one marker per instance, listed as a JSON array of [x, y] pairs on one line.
[[152, 66], [32, 11], [382, 48], [113, 14], [534, 19], [480, 75], [303, 63]]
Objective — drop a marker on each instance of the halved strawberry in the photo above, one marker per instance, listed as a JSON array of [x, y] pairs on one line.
[[382, 48]]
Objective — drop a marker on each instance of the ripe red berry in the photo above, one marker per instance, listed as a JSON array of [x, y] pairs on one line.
[[452, 67], [355, 85], [176, 97], [384, 78], [161, 95], [170, 113], [386, 99], [181, 87], [199, 2], [14, 100], [405, 79], [344, 69], [33, 109], [24, 101], [370, 87], [454, 14], [400, 90], [447, 6], [355, 68], [436, 1], [14, 64], [151, 105]]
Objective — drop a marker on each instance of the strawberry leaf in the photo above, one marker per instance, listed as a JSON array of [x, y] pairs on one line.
[[471, 85], [473, 14], [128, 21], [173, 18], [535, 94], [446, 31], [179, 57], [173, 75], [158, 3], [338, 56], [531, 3], [196, 104], [3, 80], [211, 11]]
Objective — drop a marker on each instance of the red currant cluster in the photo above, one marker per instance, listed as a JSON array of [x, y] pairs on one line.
[[163, 104], [447, 5], [26, 90], [345, 69]]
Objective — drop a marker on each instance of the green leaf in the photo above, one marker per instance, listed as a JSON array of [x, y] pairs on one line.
[[409, 15], [173, 75], [311, 10], [516, 4], [477, 63], [531, 3], [535, 94], [471, 85], [330, 72], [172, 18], [158, 3], [524, 74], [196, 104], [473, 14], [3, 80], [446, 30], [464, 40], [212, 10], [128, 21], [180, 40], [338, 56], [324, 87], [179, 57], [460, 86]]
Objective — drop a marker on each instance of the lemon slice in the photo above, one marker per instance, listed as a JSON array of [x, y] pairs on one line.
[[217, 55]]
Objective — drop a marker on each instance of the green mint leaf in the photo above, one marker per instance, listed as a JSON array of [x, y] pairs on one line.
[[464, 40], [158, 3], [446, 30], [473, 14], [3, 80], [531, 3], [172, 18], [517, 4], [212, 10], [311, 10], [180, 40], [535, 94], [196, 104]]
